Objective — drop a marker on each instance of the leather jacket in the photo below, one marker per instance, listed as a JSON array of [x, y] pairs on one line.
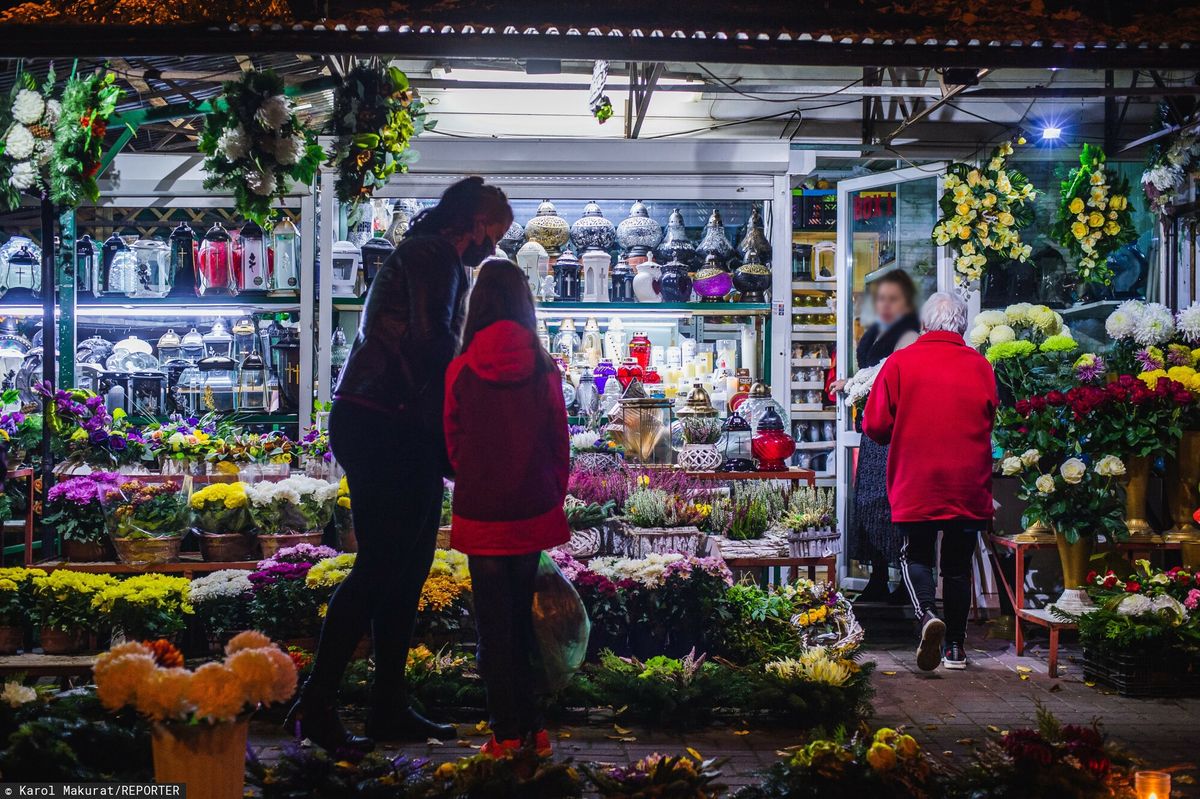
[[409, 333]]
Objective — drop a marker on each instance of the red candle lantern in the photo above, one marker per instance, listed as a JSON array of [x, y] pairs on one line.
[[628, 371], [639, 349], [772, 446]]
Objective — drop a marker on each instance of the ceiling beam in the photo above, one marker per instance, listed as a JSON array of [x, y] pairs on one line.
[[950, 92]]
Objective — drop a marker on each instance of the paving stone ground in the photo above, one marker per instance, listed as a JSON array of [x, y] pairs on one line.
[[949, 712]]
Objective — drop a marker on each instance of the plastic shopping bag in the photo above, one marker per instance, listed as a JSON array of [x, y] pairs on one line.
[[561, 624]]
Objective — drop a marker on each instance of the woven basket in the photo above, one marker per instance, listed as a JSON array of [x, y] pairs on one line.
[[642, 541]]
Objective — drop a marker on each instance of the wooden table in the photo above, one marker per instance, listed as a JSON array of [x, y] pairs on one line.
[[188, 565], [798, 475], [1016, 593], [37, 665]]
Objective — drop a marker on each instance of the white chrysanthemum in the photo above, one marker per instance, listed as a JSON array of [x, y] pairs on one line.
[[1155, 326], [274, 112], [991, 318], [1135, 605], [289, 151], [1120, 323], [15, 694], [1187, 322], [53, 112], [220, 585], [234, 143], [261, 183], [23, 176], [979, 335], [1044, 319], [20, 143], [28, 107], [1001, 334], [1018, 313]]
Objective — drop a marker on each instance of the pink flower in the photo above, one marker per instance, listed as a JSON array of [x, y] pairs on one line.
[[1192, 601]]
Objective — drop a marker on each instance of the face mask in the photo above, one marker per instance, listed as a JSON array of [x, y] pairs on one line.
[[475, 253]]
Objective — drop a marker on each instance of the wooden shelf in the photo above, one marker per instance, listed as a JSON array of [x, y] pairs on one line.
[[189, 564], [807, 475], [34, 664]]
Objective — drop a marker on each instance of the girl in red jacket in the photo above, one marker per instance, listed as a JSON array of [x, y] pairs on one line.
[[506, 434]]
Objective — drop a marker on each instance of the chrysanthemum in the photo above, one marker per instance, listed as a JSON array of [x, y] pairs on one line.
[[119, 678], [216, 693], [1150, 359], [250, 639], [1121, 322], [1187, 322], [163, 695], [1155, 325], [256, 672]]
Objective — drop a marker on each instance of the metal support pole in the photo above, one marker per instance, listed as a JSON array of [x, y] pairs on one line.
[[49, 361], [66, 287]]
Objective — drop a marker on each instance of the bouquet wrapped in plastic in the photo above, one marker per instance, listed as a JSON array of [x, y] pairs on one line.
[[295, 505], [140, 510], [561, 624], [220, 508]]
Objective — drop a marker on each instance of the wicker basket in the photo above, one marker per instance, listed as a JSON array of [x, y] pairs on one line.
[[817, 543], [270, 544], [227, 547], [642, 541], [147, 551]]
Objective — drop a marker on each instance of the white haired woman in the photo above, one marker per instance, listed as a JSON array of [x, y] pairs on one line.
[[934, 403]]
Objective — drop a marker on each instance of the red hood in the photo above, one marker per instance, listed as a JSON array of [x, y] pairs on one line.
[[504, 352]]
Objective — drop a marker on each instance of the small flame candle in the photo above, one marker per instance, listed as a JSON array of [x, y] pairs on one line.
[[1152, 785]]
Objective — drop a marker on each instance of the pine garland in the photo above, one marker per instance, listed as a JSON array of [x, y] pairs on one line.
[[88, 102]]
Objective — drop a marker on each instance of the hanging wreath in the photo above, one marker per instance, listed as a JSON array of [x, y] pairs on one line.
[[256, 145], [1168, 169], [1093, 215], [984, 210], [88, 102], [28, 120], [375, 117]]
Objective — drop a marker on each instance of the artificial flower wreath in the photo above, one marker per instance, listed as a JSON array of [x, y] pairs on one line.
[[28, 142], [88, 102], [1093, 215], [375, 115], [256, 145], [983, 212]]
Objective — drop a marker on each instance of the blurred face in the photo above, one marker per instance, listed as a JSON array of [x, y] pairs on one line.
[[481, 243], [890, 303]]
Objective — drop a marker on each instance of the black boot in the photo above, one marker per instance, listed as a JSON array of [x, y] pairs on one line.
[[314, 716], [396, 720]]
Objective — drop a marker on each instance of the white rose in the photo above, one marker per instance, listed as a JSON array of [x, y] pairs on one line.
[[19, 144], [1110, 466], [28, 107], [1010, 466], [274, 112], [1030, 457], [22, 176], [979, 335], [1045, 484], [1073, 471], [261, 183], [1001, 334]]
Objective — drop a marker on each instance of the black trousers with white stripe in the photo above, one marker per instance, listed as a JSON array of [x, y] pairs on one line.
[[918, 559]]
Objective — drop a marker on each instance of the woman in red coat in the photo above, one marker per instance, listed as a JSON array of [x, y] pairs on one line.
[[506, 434]]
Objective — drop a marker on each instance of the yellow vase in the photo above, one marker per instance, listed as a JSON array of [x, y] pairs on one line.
[[1185, 497], [210, 759], [1036, 533], [1076, 560], [1137, 483]]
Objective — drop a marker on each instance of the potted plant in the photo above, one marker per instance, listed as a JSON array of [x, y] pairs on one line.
[[659, 775], [444, 603], [200, 718], [281, 602], [221, 516], [16, 605], [220, 601], [811, 525], [700, 437], [87, 433], [64, 608], [588, 522], [146, 606], [663, 514], [292, 511], [74, 508], [316, 458], [146, 521], [324, 577], [593, 451]]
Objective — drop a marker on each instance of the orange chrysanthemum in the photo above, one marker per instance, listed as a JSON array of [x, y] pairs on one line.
[[166, 654]]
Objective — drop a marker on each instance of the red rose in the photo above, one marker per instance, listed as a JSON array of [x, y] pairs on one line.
[[1022, 407], [1132, 587], [1183, 397], [1127, 380], [1091, 577], [1183, 578], [1056, 398], [1110, 581]]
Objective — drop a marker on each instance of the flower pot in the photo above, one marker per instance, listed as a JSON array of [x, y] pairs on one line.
[[1137, 481], [147, 551], [1075, 564], [700, 458], [1185, 497], [227, 547], [11, 639], [270, 544], [210, 759], [62, 642], [642, 541], [597, 461], [88, 551], [443, 539]]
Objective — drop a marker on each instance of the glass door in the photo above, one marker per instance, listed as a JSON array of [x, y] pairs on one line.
[[883, 224]]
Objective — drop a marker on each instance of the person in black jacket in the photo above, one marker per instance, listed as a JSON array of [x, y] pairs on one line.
[[386, 433], [873, 537]]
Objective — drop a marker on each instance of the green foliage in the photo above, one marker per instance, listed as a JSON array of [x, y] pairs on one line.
[[88, 102], [583, 515]]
